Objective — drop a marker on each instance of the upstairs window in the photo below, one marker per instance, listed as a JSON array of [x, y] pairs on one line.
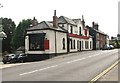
[[85, 32], [71, 29], [80, 31]]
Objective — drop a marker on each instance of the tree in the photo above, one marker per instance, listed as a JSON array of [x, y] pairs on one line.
[[19, 35], [8, 27]]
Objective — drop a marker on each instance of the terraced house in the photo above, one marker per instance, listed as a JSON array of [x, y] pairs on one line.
[[99, 37], [60, 36]]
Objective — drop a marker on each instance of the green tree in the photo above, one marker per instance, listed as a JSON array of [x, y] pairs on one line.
[[19, 35], [8, 27]]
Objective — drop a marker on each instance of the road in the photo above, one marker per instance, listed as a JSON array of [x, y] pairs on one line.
[[82, 66]]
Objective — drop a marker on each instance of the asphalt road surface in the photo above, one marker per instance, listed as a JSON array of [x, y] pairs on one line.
[[82, 66]]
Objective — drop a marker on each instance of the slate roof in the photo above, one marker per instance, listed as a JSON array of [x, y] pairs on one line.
[[45, 25], [68, 20], [99, 31]]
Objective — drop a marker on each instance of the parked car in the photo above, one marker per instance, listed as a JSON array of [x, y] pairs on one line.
[[111, 47], [9, 58], [22, 57], [13, 58], [106, 47]]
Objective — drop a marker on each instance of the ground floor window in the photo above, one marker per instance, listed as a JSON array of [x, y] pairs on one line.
[[74, 44], [86, 44], [71, 43], [36, 41], [78, 44], [82, 44], [90, 44], [63, 43]]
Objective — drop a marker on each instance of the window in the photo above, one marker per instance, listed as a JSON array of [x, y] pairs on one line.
[[71, 43], [36, 41], [78, 44], [82, 44], [71, 29], [85, 32], [80, 31], [90, 44], [63, 43], [74, 44], [86, 45]]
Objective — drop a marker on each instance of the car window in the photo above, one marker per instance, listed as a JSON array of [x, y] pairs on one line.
[[22, 54]]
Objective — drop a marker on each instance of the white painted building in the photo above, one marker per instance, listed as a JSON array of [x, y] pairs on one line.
[[62, 35], [77, 32]]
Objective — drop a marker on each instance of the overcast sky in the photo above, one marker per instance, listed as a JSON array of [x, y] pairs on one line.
[[104, 12]]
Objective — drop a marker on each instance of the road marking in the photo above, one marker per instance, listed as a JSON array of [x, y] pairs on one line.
[[83, 58], [59, 65], [76, 60], [38, 70], [89, 53], [104, 72]]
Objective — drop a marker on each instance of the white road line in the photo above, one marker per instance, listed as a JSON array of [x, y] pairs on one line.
[[83, 58], [59, 64], [76, 60], [38, 70]]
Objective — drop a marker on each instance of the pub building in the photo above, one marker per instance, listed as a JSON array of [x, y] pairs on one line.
[[60, 36]]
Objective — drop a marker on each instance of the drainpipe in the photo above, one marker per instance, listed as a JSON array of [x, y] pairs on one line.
[[55, 45]]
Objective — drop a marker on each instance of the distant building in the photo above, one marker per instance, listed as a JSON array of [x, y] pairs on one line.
[[99, 37]]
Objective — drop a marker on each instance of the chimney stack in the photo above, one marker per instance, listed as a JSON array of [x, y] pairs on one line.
[[83, 21], [93, 24], [34, 21], [55, 20]]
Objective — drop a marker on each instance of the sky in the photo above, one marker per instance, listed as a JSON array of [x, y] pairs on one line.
[[103, 12]]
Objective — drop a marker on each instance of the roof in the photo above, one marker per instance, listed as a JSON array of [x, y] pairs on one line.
[[40, 25], [66, 20], [76, 20], [99, 31], [45, 25]]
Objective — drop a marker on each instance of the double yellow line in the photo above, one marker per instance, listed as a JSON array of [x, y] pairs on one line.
[[104, 72]]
